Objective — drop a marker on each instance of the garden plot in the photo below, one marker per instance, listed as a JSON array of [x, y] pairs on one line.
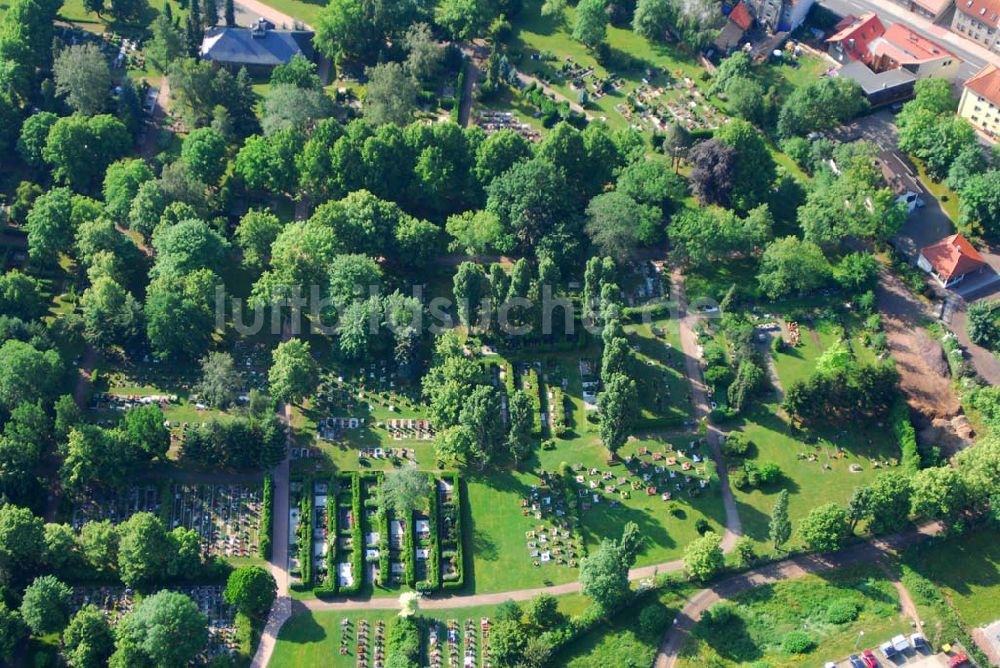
[[226, 517], [117, 601], [117, 506]]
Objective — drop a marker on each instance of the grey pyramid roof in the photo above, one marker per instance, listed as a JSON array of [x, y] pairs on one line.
[[242, 46]]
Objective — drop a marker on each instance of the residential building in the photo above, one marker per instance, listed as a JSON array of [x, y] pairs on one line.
[[880, 88], [951, 260], [738, 23], [259, 48], [979, 20], [867, 40], [780, 15], [980, 102], [933, 10]]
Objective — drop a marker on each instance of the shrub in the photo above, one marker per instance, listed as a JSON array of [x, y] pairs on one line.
[[267, 515], [702, 526], [842, 611], [652, 620], [906, 435], [737, 444], [797, 642], [719, 615]]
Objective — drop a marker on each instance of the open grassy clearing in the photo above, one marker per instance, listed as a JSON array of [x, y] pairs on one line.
[[621, 641], [810, 483], [967, 569], [765, 616]]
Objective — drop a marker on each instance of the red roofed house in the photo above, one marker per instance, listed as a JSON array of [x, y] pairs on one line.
[[737, 24], [979, 20], [866, 39], [980, 103], [950, 260], [850, 42]]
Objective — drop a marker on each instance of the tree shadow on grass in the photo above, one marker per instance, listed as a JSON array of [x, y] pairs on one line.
[[302, 628], [730, 640]]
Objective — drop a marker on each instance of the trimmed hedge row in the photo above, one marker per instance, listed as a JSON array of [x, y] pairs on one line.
[[459, 93], [329, 586], [560, 427], [433, 580], [906, 435], [409, 567], [267, 517], [305, 530], [357, 549], [531, 379], [456, 496], [508, 378]]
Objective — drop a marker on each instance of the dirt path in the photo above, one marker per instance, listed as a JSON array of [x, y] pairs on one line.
[[470, 82], [278, 564], [150, 146], [674, 639], [923, 370], [527, 80], [280, 19], [699, 396]]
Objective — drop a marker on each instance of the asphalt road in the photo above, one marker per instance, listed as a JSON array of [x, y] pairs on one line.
[[972, 62]]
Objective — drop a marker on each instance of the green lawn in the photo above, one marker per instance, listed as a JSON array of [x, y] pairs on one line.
[[798, 363], [810, 483], [306, 11], [967, 569], [765, 615], [313, 638], [620, 641]]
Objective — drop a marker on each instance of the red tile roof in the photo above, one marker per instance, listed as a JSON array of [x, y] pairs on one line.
[[986, 11], [906, 47], [952, 256], [862, 30], [986, 83], [741, 16]]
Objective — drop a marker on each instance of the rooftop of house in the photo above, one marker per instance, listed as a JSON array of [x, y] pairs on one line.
[[906, 47], [952, 256], [873, 82], [897, 173], [855, 32], [260, 44], [741, 16], [986, 83], [986, 11], [935, 7]]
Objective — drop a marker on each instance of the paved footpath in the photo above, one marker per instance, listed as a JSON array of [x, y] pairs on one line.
[[676, 636]]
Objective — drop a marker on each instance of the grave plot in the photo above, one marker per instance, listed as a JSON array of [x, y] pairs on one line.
[[348, 550], [296, 523], [117, 601], [450, 532], [320, 526], [590, 379], [559, 415], [117, 506], [528, 380], [373, 529], [226, 517], [493, 121], [554, 538]]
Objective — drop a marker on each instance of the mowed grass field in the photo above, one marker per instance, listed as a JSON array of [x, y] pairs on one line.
[[967, 569], [765, 615]]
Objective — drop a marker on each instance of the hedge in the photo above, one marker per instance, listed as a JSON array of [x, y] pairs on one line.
[[267, 517], [384, 566], [906, 435], [531, 379], [433, 580], [410, 569], [508, 378], [305, 541], [356, 536], [329, 586], [559, 425], [456, 495], [459, 93]]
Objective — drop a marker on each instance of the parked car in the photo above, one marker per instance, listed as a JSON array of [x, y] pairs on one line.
[[918, 641], [960, 659], [887, 649], [869, 659], [900, 643], [856, 662]]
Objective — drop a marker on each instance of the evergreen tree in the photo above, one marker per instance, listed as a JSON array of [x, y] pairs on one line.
[[780, 528], [230, 13]]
